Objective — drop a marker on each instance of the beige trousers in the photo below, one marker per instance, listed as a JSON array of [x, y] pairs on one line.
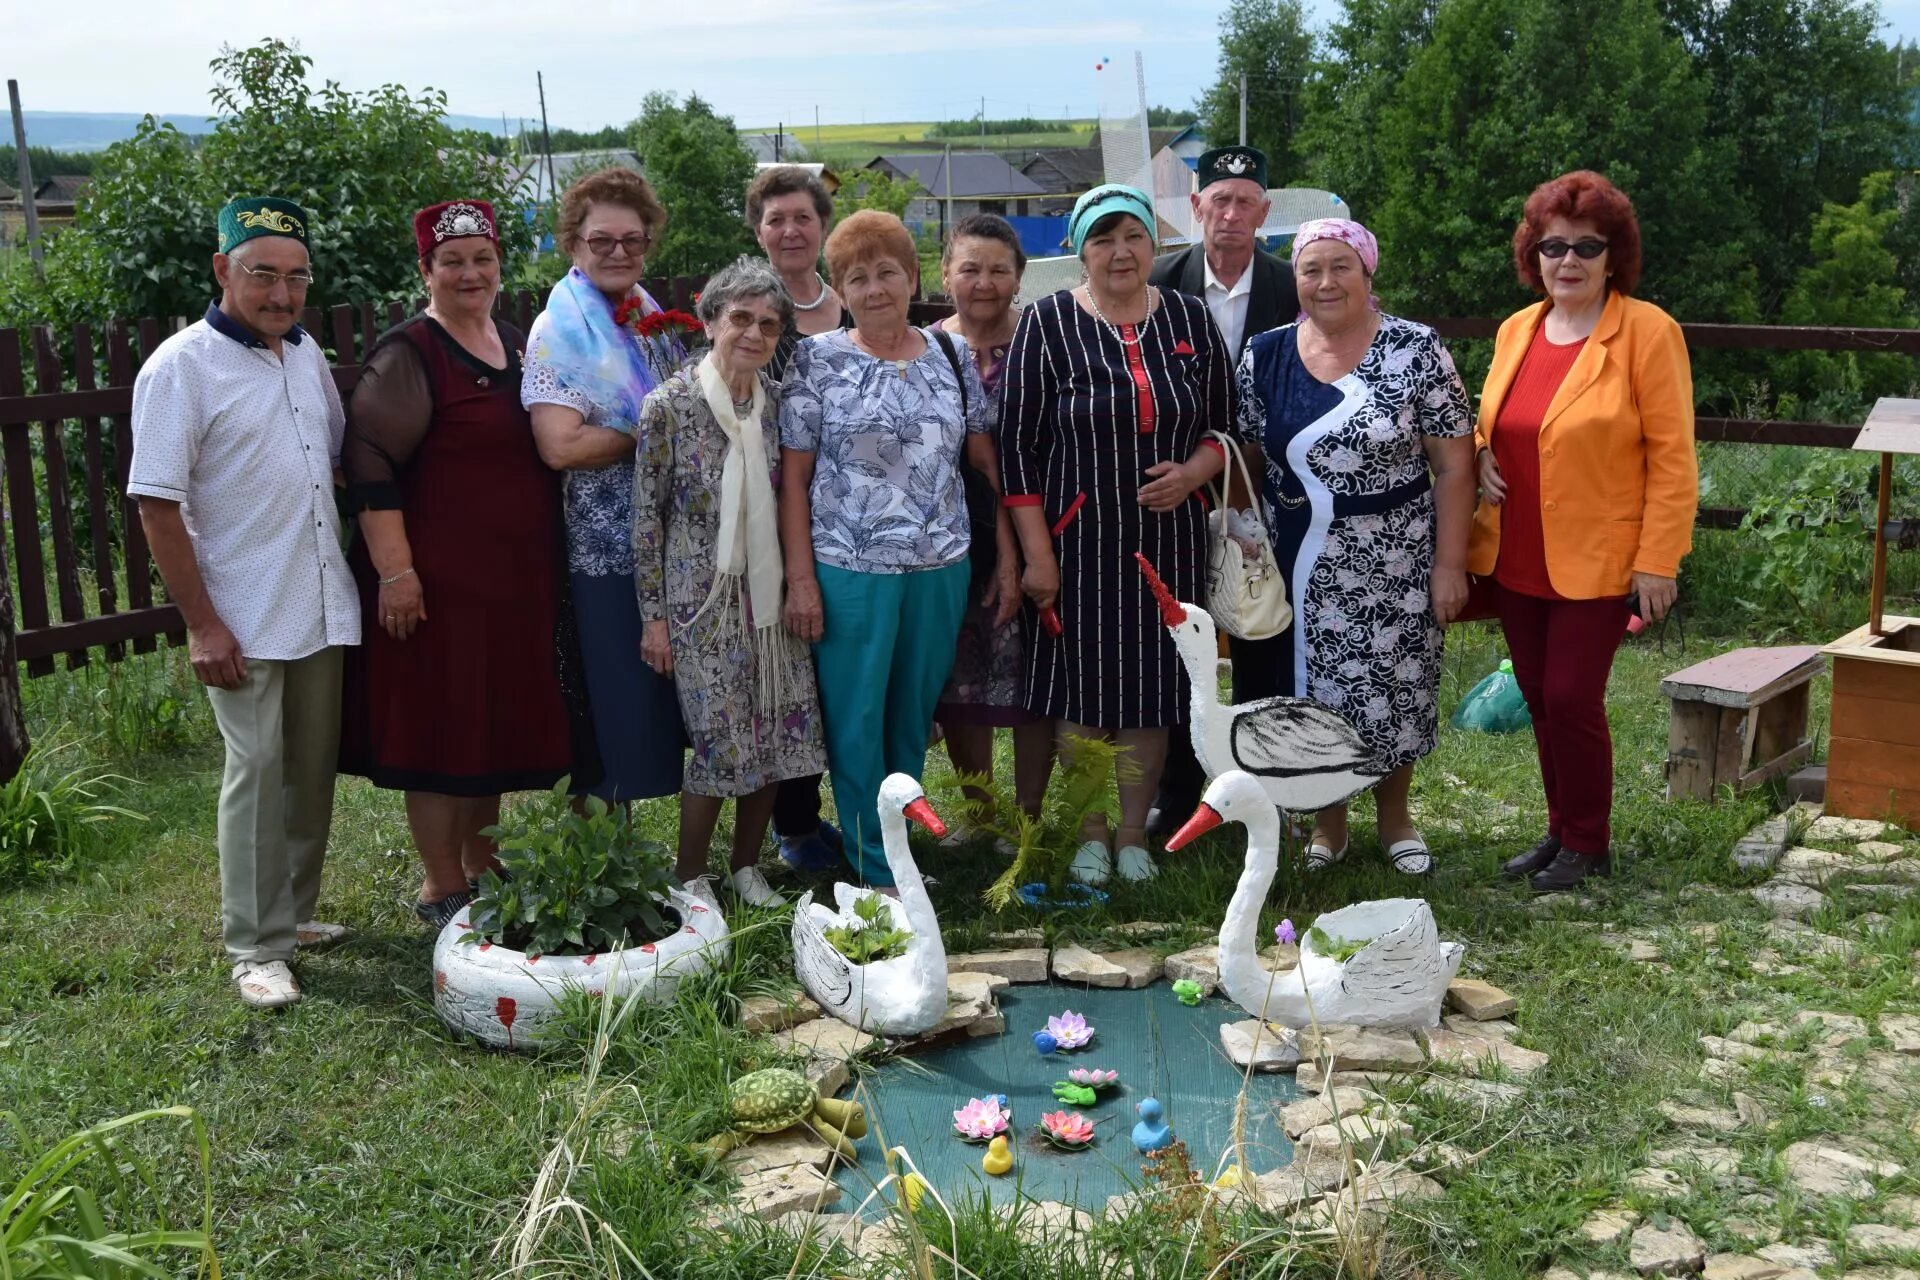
[[282, 730]]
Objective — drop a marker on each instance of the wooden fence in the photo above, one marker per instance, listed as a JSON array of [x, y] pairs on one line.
[[66, 448]]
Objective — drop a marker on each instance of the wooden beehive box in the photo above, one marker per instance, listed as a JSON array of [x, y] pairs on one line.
[[1739, 719], [1873, 762]]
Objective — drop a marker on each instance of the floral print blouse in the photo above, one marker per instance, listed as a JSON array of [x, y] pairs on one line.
[[886, 438]]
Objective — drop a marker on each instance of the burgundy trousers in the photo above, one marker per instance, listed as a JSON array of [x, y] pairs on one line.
[[1562, 654]]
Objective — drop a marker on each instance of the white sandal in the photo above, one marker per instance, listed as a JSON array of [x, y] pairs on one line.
[[1135, 863], [1411, 857], [317, 933], [267, 984], [1321, 855]]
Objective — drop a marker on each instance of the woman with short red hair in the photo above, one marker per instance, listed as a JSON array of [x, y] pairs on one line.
[[1588, 487]]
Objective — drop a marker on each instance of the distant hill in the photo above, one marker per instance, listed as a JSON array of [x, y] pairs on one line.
[[97, 130]]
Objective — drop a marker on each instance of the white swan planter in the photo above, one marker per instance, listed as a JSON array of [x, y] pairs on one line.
[[1305, 755], [1399, 978], [504, 997], [901, 996]]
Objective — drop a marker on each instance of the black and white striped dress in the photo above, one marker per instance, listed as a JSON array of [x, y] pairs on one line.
[[1083, 414]]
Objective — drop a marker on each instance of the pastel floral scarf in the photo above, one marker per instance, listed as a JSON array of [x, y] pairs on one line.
[[1347, 232], [592, 352]]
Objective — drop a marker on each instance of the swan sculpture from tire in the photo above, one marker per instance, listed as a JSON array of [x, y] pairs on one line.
[[504, 997]]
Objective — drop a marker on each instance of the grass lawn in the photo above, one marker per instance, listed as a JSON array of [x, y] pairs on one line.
[[353, 1136]]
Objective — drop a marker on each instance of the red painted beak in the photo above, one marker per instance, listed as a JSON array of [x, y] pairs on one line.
[[1204, 819], [922, 812], [1172, 612]]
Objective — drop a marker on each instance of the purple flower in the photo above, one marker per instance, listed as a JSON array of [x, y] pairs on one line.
[[1283, 933], [1069, 1030]]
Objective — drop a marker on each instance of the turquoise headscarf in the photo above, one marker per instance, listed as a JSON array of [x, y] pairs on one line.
[[592, 352], [1112, 197]]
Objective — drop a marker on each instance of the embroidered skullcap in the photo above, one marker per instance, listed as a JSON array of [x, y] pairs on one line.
[[246, 217], [1103, 200], [1232, 162], [1346, 232], [451, 220]]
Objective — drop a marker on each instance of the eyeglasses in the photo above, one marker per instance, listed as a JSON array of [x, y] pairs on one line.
[[1586, 249], [603, 246], [266, 277]]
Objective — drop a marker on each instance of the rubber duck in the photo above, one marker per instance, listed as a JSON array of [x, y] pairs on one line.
[[1045, 1043], [913, 1189], [999, 1157], [1151, 1133]]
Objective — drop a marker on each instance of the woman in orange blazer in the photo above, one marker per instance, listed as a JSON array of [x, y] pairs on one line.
[[1588, 486]]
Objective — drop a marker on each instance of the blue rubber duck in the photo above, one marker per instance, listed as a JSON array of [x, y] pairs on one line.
[[1044, 1042], [1152, 1133], [1006, 1104]]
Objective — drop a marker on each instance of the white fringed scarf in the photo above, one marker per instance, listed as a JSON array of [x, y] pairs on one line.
[[747, 550]]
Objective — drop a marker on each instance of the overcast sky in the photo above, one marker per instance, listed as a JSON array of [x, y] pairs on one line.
[[759, 60]]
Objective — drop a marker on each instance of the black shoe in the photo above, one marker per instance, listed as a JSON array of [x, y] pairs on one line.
[[1168, 815], [1569, 869], [1538, 858]]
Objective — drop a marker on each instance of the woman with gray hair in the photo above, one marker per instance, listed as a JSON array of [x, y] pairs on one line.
[[710, 576]]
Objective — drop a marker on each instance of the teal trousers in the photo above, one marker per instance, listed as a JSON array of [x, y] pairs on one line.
[[882, 661]]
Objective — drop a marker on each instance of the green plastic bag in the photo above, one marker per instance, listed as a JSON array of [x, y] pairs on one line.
[[1494, 705]]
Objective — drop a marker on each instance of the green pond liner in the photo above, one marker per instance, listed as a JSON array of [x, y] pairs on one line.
[[1161, 1048]]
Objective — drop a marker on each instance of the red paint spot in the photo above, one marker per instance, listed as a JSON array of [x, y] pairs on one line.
[[486, 946], [591, 957], [439, 979], [691, 929], [699, 908], [506, 1009], [463, 925], [647, 947], [533, 959]]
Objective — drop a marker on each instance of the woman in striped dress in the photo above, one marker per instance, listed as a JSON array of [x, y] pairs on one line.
[[1108, 394]]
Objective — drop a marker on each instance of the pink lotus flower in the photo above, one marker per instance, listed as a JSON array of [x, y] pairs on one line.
[[980, 1120], [1067, 1129], [1069, 1030], [1094, 1077]]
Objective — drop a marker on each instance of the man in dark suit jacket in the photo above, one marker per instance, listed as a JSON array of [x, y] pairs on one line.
[[1248, 291]]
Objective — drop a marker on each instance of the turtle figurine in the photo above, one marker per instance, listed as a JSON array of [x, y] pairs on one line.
[[778, 1098]]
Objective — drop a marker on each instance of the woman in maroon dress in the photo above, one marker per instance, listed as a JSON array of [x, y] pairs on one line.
[[456, 693]]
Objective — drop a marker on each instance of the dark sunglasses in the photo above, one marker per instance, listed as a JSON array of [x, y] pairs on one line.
[[1587, 249]]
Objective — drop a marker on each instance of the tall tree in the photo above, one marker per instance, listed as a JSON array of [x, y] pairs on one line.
[[1809, 101], [700, 170], [1268, 42]]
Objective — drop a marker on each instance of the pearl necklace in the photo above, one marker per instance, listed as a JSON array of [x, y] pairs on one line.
[[1153, 308], [815, 304]]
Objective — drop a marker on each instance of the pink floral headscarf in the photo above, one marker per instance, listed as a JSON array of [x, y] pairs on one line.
[[1347, 232]]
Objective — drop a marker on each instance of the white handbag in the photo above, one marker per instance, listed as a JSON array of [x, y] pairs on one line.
[[1245, 593]]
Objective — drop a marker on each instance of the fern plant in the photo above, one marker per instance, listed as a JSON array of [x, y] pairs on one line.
[[1044, 846]]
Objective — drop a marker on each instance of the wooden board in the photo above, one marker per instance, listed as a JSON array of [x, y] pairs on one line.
[[1892, 427], [1744, 677], [1880, 764], [1859, 800], [1856, 674], [1875, 719]]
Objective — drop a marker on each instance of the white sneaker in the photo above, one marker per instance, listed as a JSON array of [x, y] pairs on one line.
[[751, 887], [1093, 864], [315, 933], [265, 984], [1136, 863], [701, 887]]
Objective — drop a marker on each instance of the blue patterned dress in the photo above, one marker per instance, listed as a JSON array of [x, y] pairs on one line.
[[1352, 516]]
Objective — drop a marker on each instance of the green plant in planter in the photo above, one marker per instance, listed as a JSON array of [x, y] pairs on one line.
[[1334, 947], [577, 880], [870, 935], [1044, 846]]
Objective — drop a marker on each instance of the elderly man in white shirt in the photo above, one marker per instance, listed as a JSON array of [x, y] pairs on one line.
[[1247, 291], [236, 436]]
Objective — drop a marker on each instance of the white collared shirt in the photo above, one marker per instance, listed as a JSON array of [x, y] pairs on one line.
[[1229, 306], [248, 442]]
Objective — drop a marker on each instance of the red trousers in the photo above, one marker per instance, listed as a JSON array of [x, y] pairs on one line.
[[1562, 654]]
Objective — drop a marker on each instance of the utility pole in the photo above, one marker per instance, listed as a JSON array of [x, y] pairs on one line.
[[779, 132], [946, 220], [546, 140], [26, 174], [1243, 108], [983, 122], [816, 130]]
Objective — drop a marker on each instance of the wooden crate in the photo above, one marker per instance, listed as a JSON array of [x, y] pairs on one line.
[[1873, 764], [1739, 719]]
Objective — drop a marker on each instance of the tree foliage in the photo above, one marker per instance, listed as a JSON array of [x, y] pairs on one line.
[[700, 170], [1268, 42], [360, 163]]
